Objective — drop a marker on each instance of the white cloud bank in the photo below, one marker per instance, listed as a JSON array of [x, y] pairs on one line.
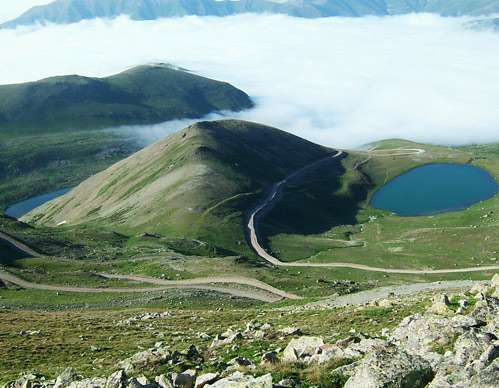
[[337, 81]]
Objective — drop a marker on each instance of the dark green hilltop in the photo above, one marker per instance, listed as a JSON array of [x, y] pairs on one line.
[[199, 182], [141, 95], [71, 11], [53, 132]]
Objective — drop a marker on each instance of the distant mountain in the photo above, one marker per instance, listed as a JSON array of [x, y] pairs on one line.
[[142, 95], [485, 24], [198, 181], [71, 11]]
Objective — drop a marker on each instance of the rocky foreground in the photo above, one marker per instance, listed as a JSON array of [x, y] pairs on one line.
[[450, 345]]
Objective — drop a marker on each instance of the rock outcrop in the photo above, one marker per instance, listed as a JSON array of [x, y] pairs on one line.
[[454, 344]]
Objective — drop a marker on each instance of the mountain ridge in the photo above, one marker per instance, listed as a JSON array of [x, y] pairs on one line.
[[147, 94], [71, 11], [202, 178]]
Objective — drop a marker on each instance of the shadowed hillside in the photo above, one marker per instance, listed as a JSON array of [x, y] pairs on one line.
[[196, 182], [142, 95]]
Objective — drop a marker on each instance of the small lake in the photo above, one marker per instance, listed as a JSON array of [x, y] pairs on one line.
[[435, 188], [21, 208]]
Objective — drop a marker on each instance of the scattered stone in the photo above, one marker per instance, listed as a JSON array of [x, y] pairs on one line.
[[204, 336], [226, 338], [117, 380], [206, 379], [163, 382], [437, 349], [241, 362], [300, 349], [67, 377], [88, 383], [270, 358], [240, 380], [146, 358], [289, 331], [391, 367], [185, 379], [29, 333], [287, 383], [144, 317], [440, 305]]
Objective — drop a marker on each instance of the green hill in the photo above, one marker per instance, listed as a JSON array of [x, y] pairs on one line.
[[71, 11], [142, 95], [196, 182]]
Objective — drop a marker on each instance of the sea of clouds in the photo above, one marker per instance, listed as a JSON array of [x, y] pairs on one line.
[[338, 81]]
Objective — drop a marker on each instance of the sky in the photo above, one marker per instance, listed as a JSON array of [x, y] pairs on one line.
[[9, 9], [340, 82]]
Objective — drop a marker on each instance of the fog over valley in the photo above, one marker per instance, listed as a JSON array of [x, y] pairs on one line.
[[337, 81]]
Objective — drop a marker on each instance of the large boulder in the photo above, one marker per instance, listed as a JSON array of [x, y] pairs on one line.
[[185, 379], [423, 335], [240, 380], [66, 378], [208, 378], [226, 338], [391, 368], [487, 378], [117, 380], [301, 349], [96, 382], [145, 359], [27, 380], [440, 305]]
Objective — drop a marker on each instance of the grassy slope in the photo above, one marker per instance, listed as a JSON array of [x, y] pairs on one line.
[[40, 153], [174, 255], [142, 95], [67, 337], [38, 164], [456, 239], [196, 183]]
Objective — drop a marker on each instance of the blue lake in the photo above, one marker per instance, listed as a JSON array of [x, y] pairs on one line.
[[435, 188], [20, 209]]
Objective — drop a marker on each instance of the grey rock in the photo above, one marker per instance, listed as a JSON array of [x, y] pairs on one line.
[[299, 349], [487, 378], [288, 331], [240, 380], [164, 382], [392, 368], [270, 358], [226, 338], [67, 377], [206, 379], [88, 383], [241, 362], [146, 358], [117, 380], [440, 305], [186, 379], [287, 383]]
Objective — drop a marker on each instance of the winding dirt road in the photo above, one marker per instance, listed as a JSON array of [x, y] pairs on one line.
[[18, 245], [274, 197], [262, 295], [241, 280], [362, 297], [261, 291]]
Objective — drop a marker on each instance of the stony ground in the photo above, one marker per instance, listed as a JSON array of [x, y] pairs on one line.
[[453, 342]]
